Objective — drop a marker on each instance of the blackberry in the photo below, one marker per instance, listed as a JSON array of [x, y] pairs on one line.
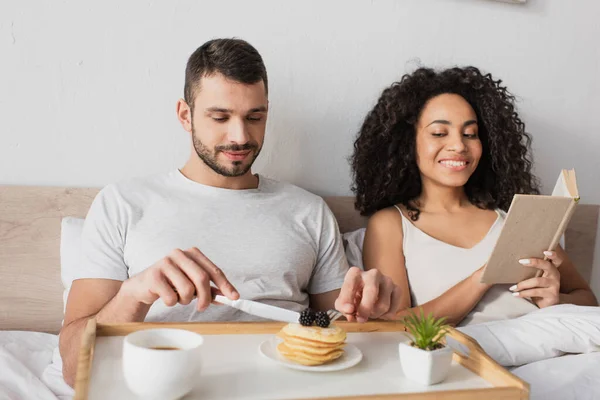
[[307, 317], [322, 319]]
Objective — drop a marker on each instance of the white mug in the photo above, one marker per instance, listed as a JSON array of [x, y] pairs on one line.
[[162, 363]]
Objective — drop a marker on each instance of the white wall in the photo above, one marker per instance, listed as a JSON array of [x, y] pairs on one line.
[[88, 89]]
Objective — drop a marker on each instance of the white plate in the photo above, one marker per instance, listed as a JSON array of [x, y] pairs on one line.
[[350, 358]]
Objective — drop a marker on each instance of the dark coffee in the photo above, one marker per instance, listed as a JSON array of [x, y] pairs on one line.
[[165, 348]]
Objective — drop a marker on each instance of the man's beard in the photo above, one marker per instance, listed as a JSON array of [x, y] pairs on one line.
[[210, 157]]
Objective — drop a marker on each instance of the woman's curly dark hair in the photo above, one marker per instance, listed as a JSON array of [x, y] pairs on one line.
[[384, 163]]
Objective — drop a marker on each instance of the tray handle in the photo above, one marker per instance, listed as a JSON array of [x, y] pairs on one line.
[[471, 355], [84, 361]]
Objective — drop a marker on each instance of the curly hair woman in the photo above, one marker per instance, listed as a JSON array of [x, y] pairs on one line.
[[436, 165]]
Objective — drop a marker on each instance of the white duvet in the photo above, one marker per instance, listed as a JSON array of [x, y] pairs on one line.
[[556, 350], [26, 369]]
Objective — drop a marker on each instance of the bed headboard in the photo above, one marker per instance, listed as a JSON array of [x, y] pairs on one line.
[[30, 284], [30, 220]]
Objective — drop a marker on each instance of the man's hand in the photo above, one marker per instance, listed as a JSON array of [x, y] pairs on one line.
[[178, 278], [367, 295]]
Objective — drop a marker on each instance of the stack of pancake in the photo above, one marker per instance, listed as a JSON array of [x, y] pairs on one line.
[[311, 345]]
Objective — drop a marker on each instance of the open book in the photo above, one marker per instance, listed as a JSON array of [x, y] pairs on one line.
[[533, 225]]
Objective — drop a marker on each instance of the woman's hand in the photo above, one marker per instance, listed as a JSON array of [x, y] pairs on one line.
[[543, 290]]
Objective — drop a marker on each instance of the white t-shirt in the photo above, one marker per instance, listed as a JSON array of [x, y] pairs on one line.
[[277, 243]]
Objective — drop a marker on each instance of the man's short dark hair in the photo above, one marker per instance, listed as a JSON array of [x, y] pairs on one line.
[[235, 59]]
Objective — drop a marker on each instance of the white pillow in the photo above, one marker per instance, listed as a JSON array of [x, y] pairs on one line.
[[70, 252]]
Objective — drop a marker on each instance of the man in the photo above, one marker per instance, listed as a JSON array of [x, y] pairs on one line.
[[214, 226]]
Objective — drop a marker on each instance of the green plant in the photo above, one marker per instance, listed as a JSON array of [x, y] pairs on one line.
[[426, 331]]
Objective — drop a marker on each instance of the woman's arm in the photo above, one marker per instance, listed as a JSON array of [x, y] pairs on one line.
[[573, 288], [456, 302], [382, 249]]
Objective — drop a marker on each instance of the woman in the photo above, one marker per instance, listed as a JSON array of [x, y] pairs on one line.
[[436, 164]]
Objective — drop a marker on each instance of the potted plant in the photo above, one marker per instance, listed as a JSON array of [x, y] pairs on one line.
[[425, 358]]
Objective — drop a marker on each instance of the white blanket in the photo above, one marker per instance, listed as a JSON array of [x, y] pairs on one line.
[[556, 350], [568, 377], [26, 369]]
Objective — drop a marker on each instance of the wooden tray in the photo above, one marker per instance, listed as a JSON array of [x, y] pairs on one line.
[[471, 366]]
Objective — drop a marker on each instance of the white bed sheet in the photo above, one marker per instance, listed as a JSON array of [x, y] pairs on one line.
[[563, 378], [555, 349], [26, 368]]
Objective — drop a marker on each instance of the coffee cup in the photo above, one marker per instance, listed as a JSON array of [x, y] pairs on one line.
[[162, 363]]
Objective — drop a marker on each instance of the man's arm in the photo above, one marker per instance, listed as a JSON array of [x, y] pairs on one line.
[[176, 278], [93, 298], [324, 301], [103, 289]]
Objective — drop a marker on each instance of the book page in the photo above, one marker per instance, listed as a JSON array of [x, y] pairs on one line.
[[566, 185], [560, 189], [571, 182]]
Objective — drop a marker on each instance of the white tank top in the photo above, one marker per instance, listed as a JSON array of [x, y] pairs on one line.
[[433, 267]]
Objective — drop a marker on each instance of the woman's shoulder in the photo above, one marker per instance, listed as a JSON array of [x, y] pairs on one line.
[[389, 218]]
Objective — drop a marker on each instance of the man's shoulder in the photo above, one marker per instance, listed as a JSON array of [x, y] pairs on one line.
[[293, 193], [159, 180], [137, 188]]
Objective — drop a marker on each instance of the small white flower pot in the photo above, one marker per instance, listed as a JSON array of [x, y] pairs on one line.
[[426, 367]]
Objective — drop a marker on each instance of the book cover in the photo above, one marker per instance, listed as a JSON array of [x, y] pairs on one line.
[[534, 224]]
